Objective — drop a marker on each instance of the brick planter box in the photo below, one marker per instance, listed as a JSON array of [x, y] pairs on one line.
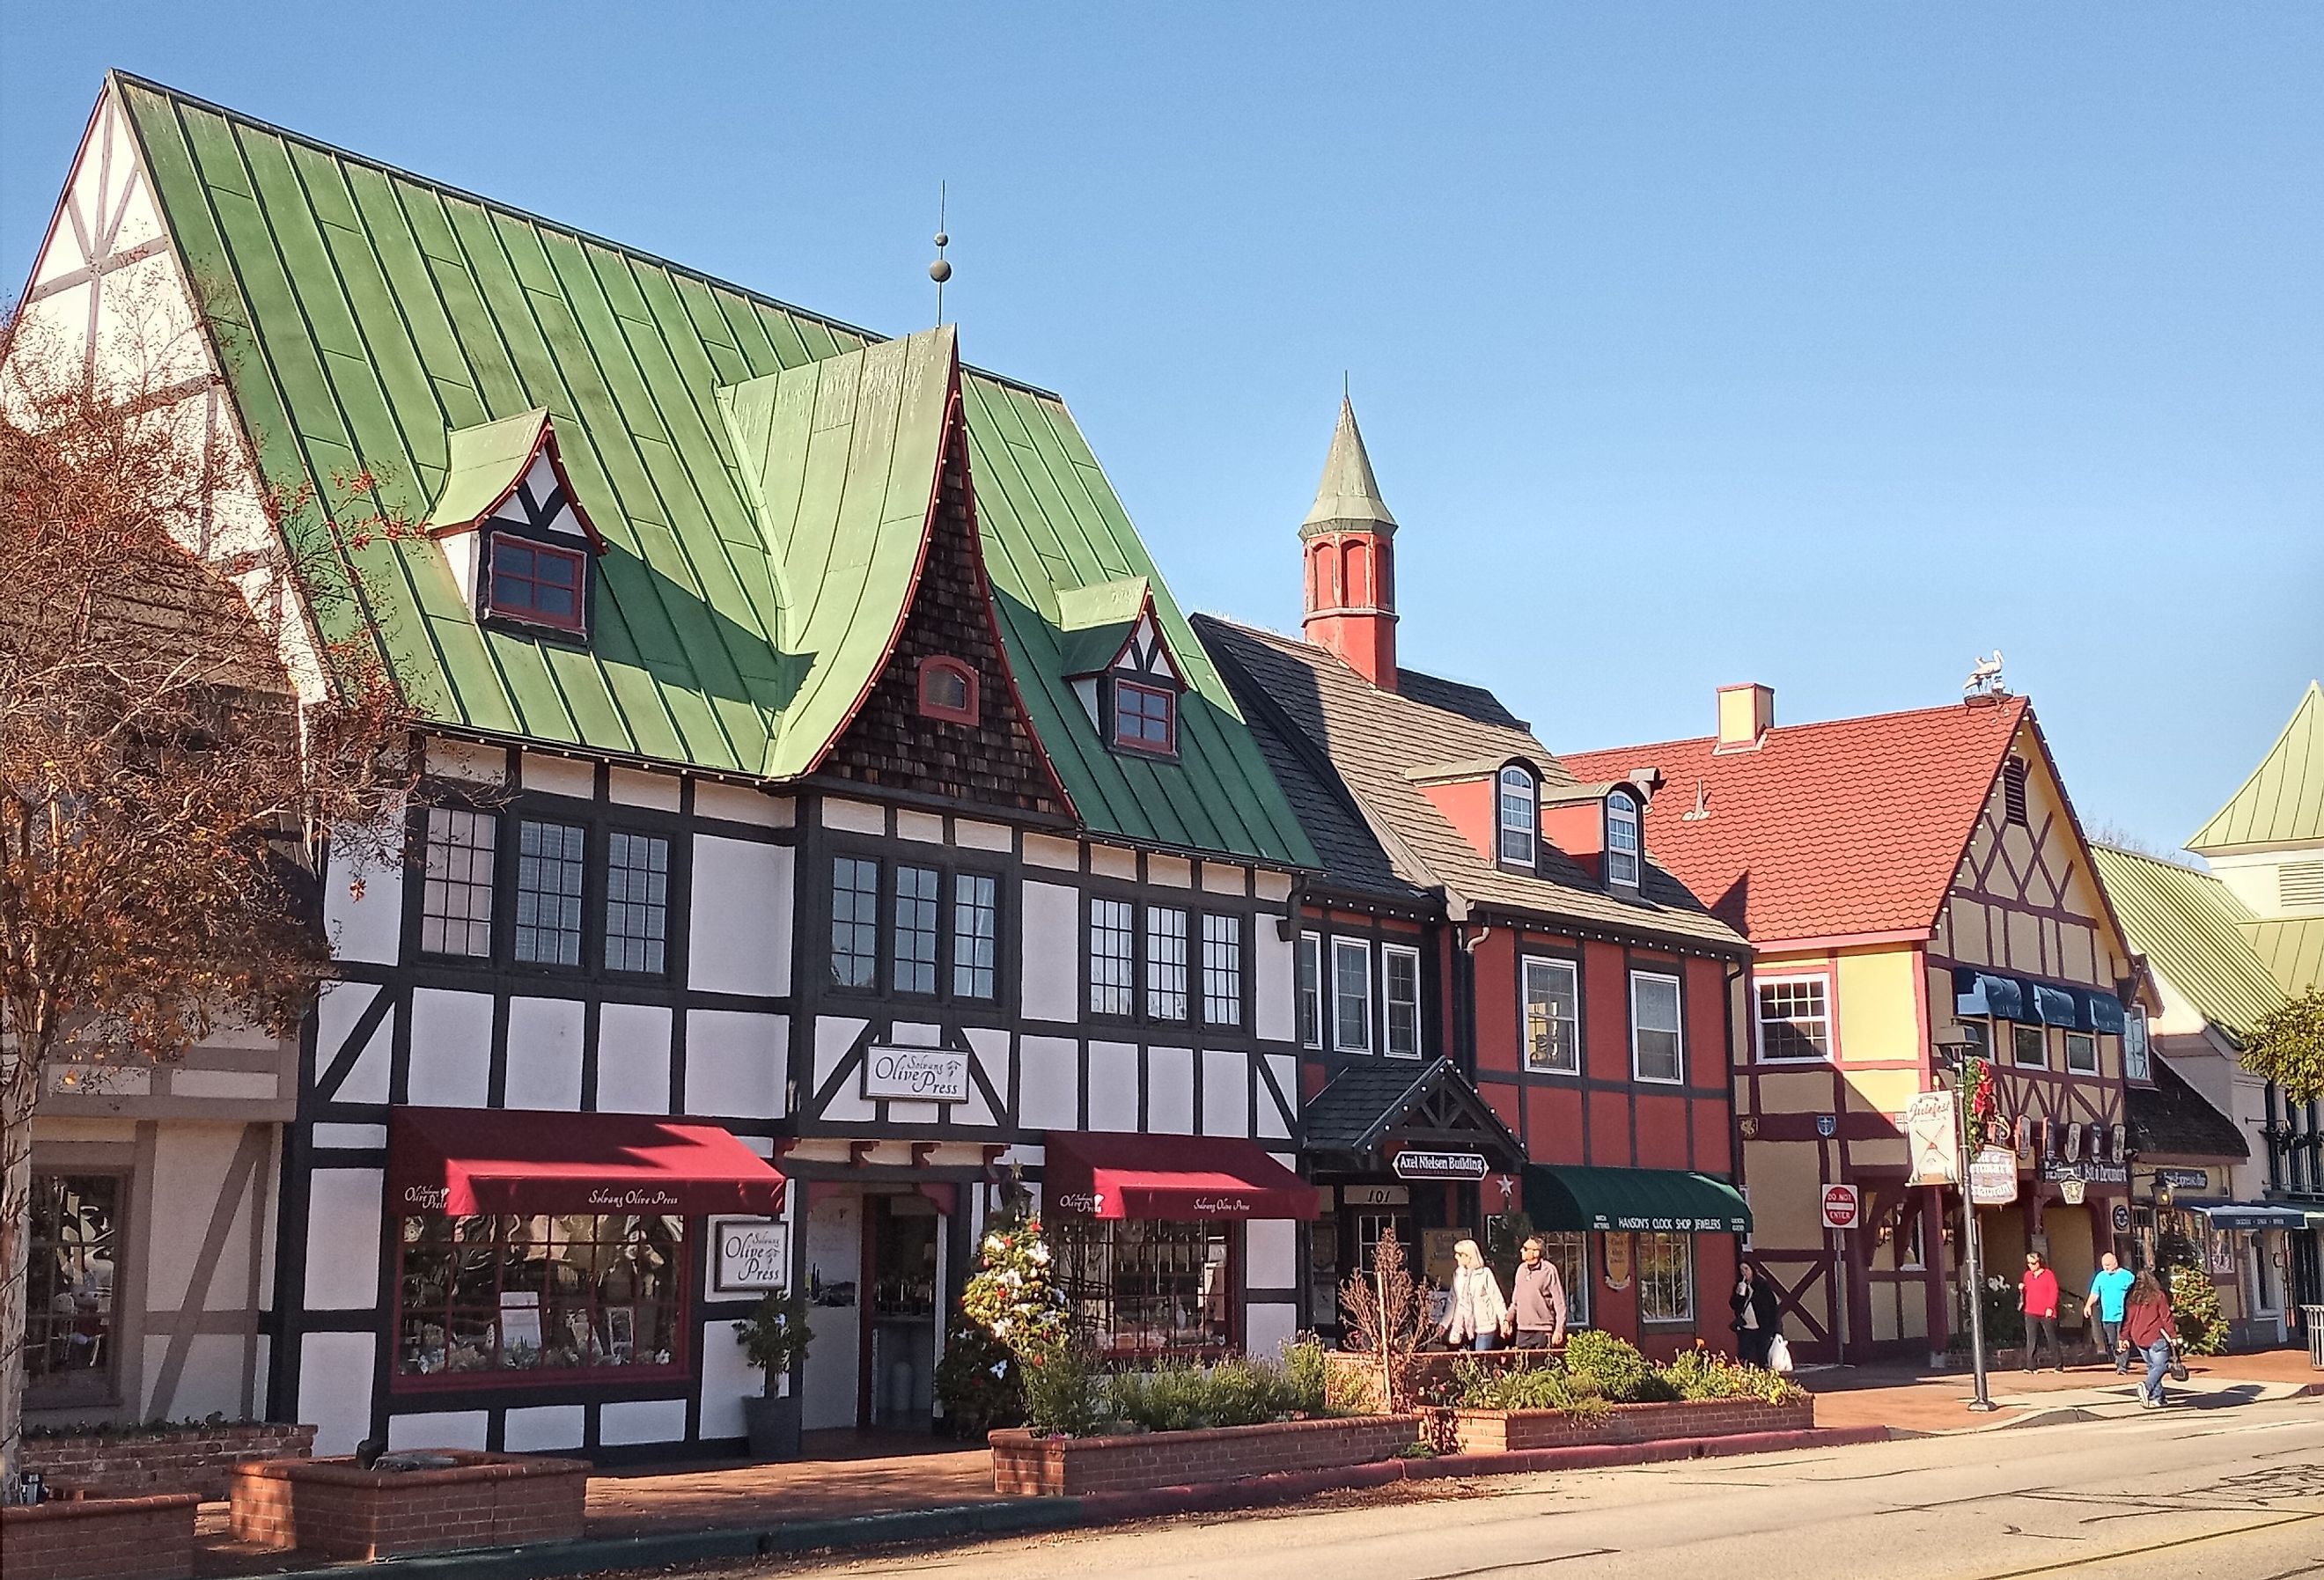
[[1351, 1379], [149, 1538], [1501, 1431], [188, 1459], [329, 1508], [1070, 1467]]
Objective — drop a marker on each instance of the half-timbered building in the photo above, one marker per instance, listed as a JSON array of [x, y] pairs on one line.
[[828, 814], [1505, 1002]]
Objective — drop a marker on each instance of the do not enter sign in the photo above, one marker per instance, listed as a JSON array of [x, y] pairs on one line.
[[1841, 1206]]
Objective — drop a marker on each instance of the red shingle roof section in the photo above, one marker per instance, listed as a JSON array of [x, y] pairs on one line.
[[1856, 825]]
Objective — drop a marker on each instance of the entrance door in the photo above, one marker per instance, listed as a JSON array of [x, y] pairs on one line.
[[834, 1266], [900, 1362], [1362, 1228]]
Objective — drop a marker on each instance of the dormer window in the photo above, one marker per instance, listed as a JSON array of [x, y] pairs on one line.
[[1622, 863], [949, 690], [538, 584], [1145, 718], [1520, 819]]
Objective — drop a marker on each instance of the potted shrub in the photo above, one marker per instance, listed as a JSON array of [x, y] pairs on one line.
[[774, 1339]]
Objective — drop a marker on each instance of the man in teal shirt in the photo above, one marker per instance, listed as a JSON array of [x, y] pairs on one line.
[[2109, 1291]]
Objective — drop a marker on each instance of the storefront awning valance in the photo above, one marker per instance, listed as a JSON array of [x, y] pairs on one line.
[[2244, 1214], [1180, 1179], [469, 1161], [1979, 993], [1634, 1200]]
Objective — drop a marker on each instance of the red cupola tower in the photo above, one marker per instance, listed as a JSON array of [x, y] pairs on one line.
[[1349, 542]]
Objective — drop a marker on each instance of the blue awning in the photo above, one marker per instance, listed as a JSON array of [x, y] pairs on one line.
[[2055, 1006], [2101, 1012], [1982, 992], [2012, 998]]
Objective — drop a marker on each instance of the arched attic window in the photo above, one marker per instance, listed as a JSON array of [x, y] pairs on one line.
[[1520, 816], [949, 690], [1623, 853]]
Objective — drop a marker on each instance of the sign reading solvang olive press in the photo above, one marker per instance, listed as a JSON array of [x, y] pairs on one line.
[[916, 1074], [749, 1254]]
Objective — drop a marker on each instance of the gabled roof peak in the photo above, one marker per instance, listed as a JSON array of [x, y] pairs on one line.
[[1348, 495], [2283, 801]]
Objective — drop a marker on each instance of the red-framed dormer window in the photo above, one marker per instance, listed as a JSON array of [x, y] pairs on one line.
[[1145, 718], [538, 583], [948, 691]]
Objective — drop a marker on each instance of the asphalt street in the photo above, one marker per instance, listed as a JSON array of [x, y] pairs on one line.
[[2234, 1493]]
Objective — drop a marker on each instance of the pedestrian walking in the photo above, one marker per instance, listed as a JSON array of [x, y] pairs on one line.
[[2109, 1289], [1538, 1298], [1477, 1317], [2149, 1328], [2037, 1296], [1757, 1321]]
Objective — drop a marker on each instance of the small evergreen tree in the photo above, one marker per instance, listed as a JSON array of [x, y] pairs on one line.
[[2195, 1306]]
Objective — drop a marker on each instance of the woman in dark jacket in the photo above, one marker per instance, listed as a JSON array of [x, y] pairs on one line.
[[2150, 1330], [1757, 1322]]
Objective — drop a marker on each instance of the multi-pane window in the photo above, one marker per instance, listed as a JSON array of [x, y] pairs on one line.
[[913, 967], [1666, 1273], [456, 900], [551, 859], [1311, 991], [2029, 1047], [1400, 1001], [70, 1342], [1352, 996], [975, 932], [1166, 962], [1657, 1047], [1794, 1018], [1519, 821], [854, 922], [1568, 1251], [1136, 1288], [1621, 840], [2135, 1066], [1112, 955], [536, 584], [1223, 970], [1145, 718], [496, 1296], [637, 902], [1553, 1017], [2081, 1053]]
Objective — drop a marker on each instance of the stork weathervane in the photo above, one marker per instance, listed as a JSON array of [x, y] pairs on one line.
[[940, 271], [1984, 681]]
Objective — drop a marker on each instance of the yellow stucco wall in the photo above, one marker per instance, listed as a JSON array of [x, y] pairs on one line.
[[1879, 1011]]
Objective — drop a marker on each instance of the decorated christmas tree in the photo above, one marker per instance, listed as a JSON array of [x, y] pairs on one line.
[[1010, 1309]]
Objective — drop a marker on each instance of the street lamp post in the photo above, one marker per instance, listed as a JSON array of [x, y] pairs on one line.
[[1950, 1044]]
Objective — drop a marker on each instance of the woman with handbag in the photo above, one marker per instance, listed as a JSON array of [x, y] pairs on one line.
[[1757, 1322], [2149, 1328]]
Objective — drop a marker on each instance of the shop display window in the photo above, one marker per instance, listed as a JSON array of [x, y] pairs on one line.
[[1666, 1274], [1143, 1289], [516, 1298], [69, 1353]]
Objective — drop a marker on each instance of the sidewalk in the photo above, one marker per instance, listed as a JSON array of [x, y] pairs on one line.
[[1916, 1399]]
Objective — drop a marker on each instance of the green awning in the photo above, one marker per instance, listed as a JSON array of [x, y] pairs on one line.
[[1629, 1200]]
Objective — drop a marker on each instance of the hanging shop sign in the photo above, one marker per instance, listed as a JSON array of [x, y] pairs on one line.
[[2183, 1179], [2071, 1191], [2058, 1170], [1933, 1133], [749, 1255], [2122, 1217], [1993, 1177], [1421, 1163], [916, 1074], [1843, 1207], [1618, 1260], [1375, 1195]]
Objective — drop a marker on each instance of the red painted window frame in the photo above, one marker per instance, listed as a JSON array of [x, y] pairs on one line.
[[967, 714], [578, 557], [1168, 748]]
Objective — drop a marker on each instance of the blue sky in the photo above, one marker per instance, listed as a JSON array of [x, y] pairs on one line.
[[1822, 346]]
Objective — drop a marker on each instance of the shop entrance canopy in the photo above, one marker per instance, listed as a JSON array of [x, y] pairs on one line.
[[1178, 1178], [466, 1161], [2244, 1214], [1633, 1201]]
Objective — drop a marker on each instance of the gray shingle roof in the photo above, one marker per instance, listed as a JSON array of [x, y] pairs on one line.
[[2175, 1121], [1365, 1101]]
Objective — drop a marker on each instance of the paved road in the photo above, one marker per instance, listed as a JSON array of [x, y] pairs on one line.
[[2233, 1493]]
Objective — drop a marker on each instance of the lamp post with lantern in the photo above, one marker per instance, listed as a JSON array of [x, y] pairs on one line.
[[1951, 1046]]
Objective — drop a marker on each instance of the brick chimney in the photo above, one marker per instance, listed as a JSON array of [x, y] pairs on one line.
[[1745, 714], [1349, 544]]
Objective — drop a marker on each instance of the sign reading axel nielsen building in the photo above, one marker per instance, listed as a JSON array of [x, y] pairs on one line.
[[916, 1074]]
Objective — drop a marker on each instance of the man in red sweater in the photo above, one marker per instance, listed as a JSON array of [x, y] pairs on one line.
[[2037, 1296]]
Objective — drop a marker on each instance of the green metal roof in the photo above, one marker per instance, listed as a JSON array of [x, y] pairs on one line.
[[2293, 950], [1348, 495], [2194, 933], [363, 316], [486, 462], [1634, 1200], [2282, 802], [1097, 620]]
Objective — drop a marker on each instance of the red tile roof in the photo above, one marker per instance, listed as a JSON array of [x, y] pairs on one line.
[[1852, 827]]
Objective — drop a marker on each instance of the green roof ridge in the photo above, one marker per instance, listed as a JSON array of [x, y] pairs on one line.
[[2283, 801], [2191, 930]]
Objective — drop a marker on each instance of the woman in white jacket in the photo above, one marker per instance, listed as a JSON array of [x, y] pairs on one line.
[[1478, 1317]]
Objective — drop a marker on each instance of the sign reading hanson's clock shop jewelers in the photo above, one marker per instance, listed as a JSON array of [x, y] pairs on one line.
[[916, 1074], [1420, 1163]]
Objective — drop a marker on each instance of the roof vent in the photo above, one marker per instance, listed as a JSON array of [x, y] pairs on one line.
[[1745, 714]]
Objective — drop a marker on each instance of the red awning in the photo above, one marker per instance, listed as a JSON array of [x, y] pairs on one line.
[[1179, 1179], [475, 1160]]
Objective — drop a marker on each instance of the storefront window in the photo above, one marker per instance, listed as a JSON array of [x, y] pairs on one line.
[[1568, 1251], [1138, 1287], [1666, 1277], [507, 1295], [76, 1236]]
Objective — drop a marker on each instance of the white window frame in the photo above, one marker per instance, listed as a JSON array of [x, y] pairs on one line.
[[1308, 981], [2087, 1039], [1359, 948], [2137, 1048], [1389, 1003], [1516, 843], [1625, 866], [1678, 1001], [1569, 1250], [1759, 1015], [1547, 965], [2016, 1061], [1659, 1281]]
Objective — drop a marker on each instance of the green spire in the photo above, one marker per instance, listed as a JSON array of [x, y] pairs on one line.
[[1349, 497]]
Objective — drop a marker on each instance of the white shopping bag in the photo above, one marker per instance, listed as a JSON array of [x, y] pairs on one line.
[[1779, 1353]]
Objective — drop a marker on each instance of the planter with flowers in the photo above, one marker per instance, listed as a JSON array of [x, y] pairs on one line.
[[774, 1340]]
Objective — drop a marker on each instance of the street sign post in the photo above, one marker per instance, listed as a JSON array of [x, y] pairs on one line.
[[1843, 1207]]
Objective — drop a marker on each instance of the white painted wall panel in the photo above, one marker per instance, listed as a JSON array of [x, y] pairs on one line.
[[1268, 1326], [628, 787], [335, 1388], [741, 940], [1113, 1085], [1226, 1098], [1043, 850], [1276, 1011], [989, 1046], [1051, 952], [1271, 1253], [342, 1004], [544, 1427], [343, 1230], [737, 803], [634, 1059], [726, 1379], [735, 1064], [451, 1048], [369, 928], [544, 1053], [192, 1163], [1170, 1091], [247, 1086], [439, 1430], [977, 835], [855, 816], [557, 776], [642, 1420], [1110, 862], [1050, 1098], [927, 827], [1285, 1068]]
